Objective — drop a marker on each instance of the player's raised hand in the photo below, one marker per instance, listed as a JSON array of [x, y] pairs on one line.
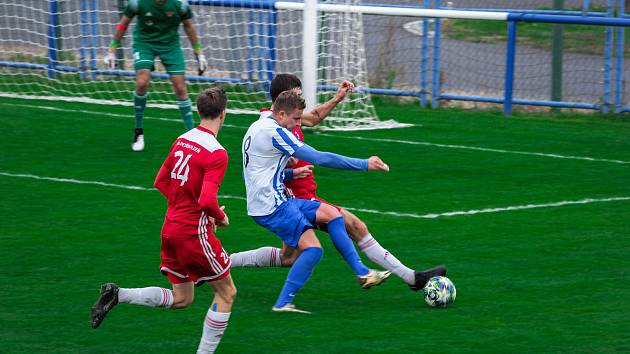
[[345, 87], [376, 164], [202, 63], [110, 60], [225, 221], [302, 172]]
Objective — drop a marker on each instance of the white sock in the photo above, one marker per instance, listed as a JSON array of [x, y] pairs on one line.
[[151, 296], [213, 328], [382, 257], [261, 257]]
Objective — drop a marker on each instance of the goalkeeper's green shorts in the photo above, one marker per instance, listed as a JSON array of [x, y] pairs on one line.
[[172, 58]]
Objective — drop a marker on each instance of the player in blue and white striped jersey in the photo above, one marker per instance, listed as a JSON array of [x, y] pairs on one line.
[[267, 146]]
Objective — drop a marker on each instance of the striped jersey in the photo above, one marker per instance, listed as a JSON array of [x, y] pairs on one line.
[[190, 178], [266, 149], [306, 187]]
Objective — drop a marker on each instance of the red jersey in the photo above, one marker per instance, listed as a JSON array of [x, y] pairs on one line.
[[303, 188], [190, 179]]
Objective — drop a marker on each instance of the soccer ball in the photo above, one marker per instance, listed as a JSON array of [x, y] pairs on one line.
[[439, 292]]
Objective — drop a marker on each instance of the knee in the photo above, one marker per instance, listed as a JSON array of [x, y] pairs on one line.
[[141, 87], [181, 302], [328, 213], [288, 260]]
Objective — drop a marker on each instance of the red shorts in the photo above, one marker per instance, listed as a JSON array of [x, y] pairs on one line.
[[300, 194], [325, 202], [199, 259]]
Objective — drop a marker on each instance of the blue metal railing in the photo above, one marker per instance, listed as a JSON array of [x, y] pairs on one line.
[[261, 61]]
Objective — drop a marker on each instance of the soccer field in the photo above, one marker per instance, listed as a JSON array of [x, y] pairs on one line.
[[531, 215]]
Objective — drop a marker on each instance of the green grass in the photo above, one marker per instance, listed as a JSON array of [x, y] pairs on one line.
[[550, 280], [576, 38]]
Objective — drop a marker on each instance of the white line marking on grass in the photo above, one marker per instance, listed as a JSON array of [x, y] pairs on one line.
[[424, 143], [107, 114], [371, 211], [98, 183], [495, 210], [111, 102], [476, 148]]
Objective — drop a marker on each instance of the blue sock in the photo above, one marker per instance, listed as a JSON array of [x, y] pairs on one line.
[[299, 274], [343, 243]]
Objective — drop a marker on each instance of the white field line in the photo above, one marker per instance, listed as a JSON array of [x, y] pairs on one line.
[[106, 114], [109, 102], [371, 211], [97, 183], [423, 143], [476, 148]]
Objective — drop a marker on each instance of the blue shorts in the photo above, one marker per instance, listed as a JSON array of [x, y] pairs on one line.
[[290, 220]]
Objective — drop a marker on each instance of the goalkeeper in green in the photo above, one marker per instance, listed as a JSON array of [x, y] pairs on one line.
[[156, 35]]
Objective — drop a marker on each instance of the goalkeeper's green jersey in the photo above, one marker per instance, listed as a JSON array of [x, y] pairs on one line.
[[158, 25]]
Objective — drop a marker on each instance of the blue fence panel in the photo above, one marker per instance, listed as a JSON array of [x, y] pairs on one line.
[[263, 59]]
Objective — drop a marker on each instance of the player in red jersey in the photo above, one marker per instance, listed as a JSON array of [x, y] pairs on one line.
[[191, 254], [303, 186]]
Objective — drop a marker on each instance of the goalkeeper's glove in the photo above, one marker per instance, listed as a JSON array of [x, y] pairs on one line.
[[110, 60], [202, 63]]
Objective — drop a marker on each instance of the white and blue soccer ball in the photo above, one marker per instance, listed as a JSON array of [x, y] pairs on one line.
[[439, 292]]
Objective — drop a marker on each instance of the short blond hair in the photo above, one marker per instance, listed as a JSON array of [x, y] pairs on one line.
[[288, 101]]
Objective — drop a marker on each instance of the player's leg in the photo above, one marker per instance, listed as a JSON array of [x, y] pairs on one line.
[[183, 102], [288, 255], [143, 62], [218, 314], [173, 61], [140, 95], [359, 232], [294, 228], [112, 295], [310, 254], [379, 255], [336, 229], [183, 295], [265, 257], [335, 226]]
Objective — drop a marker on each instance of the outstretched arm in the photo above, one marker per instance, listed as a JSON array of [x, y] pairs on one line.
[[191, 33], [119, 33], [317, 115], [332, 160]]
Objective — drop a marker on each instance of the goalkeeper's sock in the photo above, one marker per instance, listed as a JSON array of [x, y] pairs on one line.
[[213, 327], [377, 254], [185, 109], [139, 103], [151, 296], [299, 274], [343, 244], [261, 257]]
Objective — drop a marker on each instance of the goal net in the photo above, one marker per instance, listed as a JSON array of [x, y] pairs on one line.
[[54, 49]]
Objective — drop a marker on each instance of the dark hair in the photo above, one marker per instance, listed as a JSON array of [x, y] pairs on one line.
[[288, 101], [211, 102], [281, 83]]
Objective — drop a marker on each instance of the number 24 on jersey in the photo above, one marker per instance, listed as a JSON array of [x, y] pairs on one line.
[[182, 164]]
